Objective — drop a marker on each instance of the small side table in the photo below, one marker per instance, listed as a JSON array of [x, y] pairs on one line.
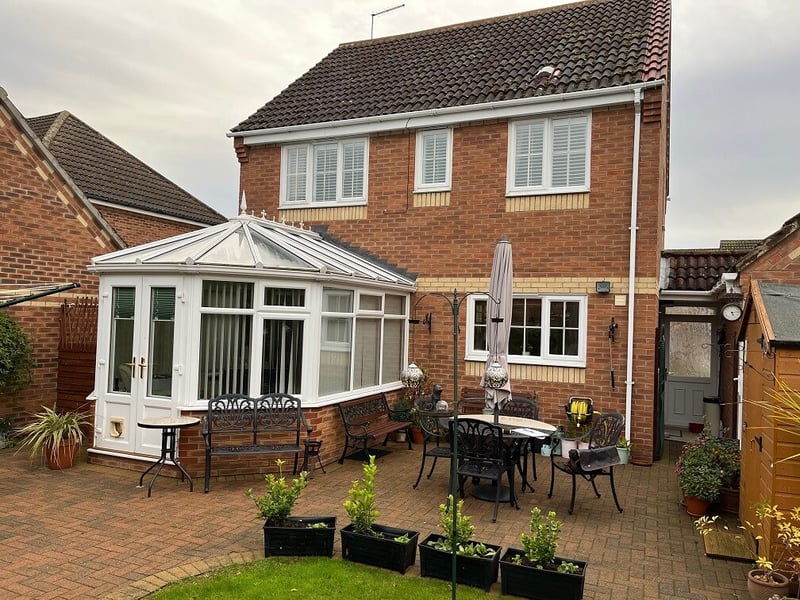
[[312, 450], [169, 427]]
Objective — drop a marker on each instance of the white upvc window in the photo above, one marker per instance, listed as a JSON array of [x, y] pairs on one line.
[[328, 172], [433, 160], [549, 155], [545, 330]]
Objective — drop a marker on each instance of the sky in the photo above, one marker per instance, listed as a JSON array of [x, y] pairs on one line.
[[167, 79]]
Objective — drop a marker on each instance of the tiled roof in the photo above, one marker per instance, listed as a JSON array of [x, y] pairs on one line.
[[698, 270], [592, 45], [104, 171]]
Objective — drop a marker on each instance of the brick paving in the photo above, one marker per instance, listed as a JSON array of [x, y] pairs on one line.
[[88, 532]]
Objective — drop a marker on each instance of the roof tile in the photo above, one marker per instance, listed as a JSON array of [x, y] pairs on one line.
[[592, 45]]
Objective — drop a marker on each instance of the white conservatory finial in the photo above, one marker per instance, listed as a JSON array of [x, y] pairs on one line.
[[243, 204]]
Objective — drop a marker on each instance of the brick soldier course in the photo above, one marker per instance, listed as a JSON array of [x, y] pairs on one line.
[[88, 532]]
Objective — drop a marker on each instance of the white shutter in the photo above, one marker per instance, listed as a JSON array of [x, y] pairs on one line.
[[353, 170], [528, 154], [569, 152], [325, 173], [434, 153], [296, 169]]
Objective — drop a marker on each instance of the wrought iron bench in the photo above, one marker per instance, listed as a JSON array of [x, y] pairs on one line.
[[367, 419], [237, 425]]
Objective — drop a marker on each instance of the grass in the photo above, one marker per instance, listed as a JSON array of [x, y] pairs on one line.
[[309, 578]]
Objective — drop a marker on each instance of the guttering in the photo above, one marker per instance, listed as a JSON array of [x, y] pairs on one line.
[[450, 115], [637, 113]]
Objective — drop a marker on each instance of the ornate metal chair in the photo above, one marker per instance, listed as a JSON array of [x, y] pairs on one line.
[[525, 406], [436, 442], [598, 460], [482, 454]]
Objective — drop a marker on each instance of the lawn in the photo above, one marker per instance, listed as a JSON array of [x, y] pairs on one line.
[[309, 578]]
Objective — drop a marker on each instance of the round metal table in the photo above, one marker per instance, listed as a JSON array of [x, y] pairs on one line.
[[169, 427]]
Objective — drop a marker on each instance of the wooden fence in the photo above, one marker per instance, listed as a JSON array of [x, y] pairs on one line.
[[76, 353]]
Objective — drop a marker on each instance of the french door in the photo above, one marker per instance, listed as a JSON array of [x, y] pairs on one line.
[[136, 371]]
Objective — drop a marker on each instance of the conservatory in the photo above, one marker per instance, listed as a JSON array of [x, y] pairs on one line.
[[249, 306]]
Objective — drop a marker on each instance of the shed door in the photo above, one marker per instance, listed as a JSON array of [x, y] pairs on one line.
[[692, 369], [138, 380]]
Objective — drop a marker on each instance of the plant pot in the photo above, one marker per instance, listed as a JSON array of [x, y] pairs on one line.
[[624, 455], [63, 457], [384, 551], [300, 540], [567, 445], [417, 437], [763, 590], [400, 436], [729, 500], [546, 449], [475, 571], [529, 581], [696, 507]]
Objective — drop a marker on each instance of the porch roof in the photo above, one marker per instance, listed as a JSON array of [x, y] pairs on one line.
[[779, 308], [253, 245]]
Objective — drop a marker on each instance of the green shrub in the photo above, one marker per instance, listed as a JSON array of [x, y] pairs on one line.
[[16, 362]]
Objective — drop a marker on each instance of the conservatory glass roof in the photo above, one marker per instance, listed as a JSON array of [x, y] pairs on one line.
[[247, 244]]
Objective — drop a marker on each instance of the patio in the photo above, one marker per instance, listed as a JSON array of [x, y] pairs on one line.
[[89, 532]]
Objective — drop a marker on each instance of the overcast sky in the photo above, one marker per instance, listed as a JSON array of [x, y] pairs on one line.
[[167, 79]]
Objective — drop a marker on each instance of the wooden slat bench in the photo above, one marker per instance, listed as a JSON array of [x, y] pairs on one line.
[[367, 419], [236, 425]]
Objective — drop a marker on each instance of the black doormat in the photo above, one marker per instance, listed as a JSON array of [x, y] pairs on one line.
[[364, 457]]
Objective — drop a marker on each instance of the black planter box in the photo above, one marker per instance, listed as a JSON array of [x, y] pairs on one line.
[[540, 584], [382, 552], [474, 571], [302, 540]]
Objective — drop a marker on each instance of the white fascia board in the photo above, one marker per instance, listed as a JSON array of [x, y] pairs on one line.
[[688, 296], [443, 117]]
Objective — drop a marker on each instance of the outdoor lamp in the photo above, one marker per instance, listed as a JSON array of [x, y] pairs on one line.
[[412, 377], [496, 376]]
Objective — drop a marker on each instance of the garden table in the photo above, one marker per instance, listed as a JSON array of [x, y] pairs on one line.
[[169, 427]]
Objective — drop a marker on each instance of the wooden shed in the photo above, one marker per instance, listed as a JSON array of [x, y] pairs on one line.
[[770, 336]]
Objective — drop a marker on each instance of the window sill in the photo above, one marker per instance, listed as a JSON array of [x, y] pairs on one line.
[[547, 191]]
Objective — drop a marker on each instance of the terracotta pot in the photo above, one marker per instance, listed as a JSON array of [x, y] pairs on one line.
[[64, 457], [696, 507], [417, 436], [763, 590], [729, 500]]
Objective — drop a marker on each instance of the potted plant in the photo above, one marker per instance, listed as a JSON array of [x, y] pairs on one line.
[[55, 435], [536, 571], [777, 564], [727, 455], [623, 449], [477, 564], [699, 475], [366, 542], [285, 534]]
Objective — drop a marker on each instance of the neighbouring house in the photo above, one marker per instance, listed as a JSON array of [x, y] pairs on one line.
[[67, 194], [550, 127]]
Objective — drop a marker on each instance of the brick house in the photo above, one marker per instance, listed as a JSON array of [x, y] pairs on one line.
[[67, 193], [550, 127]]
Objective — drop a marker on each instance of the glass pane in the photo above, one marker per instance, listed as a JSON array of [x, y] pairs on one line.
[[224, 354], [162, 334], [227, 294], [533, 342], [479, 327], [518, 311], [393, 337], [533, 313], [366, 302], [282, 356], [516, 340], [334, 364], [571, 314], [123, 302], [325, 173], [340, 301], [367, 353], [556, 341], [395, 305], [688, 356], [284, 297]]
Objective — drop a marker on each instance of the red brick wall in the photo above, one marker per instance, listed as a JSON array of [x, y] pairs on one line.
[[457, 241], [136, 228]]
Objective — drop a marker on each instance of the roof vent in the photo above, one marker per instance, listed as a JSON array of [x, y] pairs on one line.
[[546, 71]]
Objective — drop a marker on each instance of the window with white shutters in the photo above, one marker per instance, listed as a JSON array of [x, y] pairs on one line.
[[327, 172], [433, 159], [549, 155]]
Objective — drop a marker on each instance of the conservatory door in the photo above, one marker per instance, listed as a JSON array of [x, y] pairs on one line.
[[692, 371], [138, 379]]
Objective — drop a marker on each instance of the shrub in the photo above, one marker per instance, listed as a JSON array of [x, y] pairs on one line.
[[276, 504], [361, 505], [16, 360]]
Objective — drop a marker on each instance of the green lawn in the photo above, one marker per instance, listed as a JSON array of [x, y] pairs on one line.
[[308, 578]]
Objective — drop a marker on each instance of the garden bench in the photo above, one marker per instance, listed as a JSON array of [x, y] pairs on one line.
[[368, 419], [237, 425]]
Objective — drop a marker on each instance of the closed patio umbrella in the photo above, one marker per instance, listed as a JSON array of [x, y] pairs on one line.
[[499, 325]]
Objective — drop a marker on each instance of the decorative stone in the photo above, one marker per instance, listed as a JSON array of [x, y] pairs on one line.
[[412, 377], [496, 376]]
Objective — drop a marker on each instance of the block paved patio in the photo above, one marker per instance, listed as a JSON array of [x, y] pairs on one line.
[[88, 532]]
